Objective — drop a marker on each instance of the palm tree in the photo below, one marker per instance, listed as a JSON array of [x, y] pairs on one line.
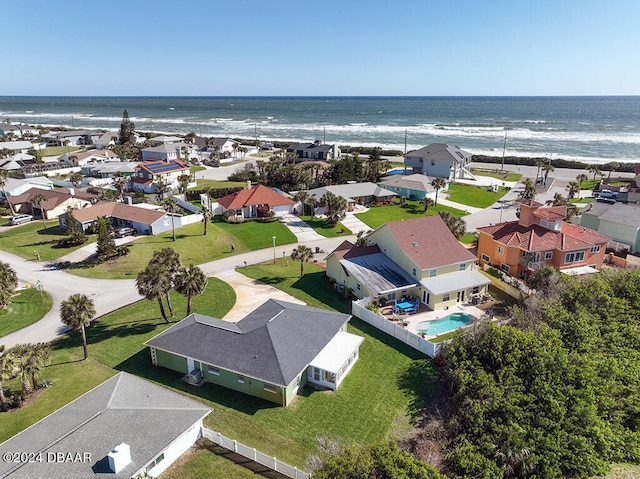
[[539, 164], [77, 311], [36, 200], [8, 370], [207, 216], [303, 198], [8, 284], [183, 181], [152, 283], [40, 356], [580, 179], [456, 225], [303, 254], [29, 359], [438, 184], [161, 187], [169, 260], [426, 201], [613, 166], [119, 181], [573, 189], [547, 168], [529, 192], [171, 206], [190, 282], [75, 178], [595, 170], [4, 179]]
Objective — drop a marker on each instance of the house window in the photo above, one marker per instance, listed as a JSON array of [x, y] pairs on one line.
[[214, 370], [433, 163], [486, 258], [462, 266], [433, 273], [270, 388], [316, 374], [241, 378], [500, 250], [446, 297], [548, 255], [505, 267], [415, 272], [574, 257], [475, 290], [329, 377], [358, 286], [595, 249]]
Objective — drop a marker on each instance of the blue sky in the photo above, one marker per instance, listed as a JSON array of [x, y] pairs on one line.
[[328, 47]]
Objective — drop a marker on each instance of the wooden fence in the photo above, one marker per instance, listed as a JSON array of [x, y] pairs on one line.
[[256, 456]]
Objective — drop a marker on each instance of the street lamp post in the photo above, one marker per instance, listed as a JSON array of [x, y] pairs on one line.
[[39, 287], [274, 249]]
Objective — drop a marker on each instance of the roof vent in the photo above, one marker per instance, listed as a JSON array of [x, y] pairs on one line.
[[415, 244], [119, 458]]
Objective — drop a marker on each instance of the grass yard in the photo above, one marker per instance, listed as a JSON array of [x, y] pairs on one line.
[[580, 200], [378, 215], [495, 173], [475, 196], [203, 183], [27, 307], [200, 462], [623, 471], [112, 341], [56, 150], [469, 238], [26, 239], [192, 245], [320, 226]]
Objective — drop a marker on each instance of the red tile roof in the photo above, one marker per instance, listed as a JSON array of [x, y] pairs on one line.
[[537, 238], [347, 250], [551, 213], [118, 210], [257, 195], [428, 242]]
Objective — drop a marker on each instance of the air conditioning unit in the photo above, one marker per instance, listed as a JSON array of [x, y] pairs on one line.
[[194, 377]]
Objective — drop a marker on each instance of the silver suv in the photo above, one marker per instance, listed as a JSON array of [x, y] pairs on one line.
[[19, 219]]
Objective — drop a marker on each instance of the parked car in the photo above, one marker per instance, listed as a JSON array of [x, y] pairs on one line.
[[19, 219], [610, 201], [605, 194], [123, 231]]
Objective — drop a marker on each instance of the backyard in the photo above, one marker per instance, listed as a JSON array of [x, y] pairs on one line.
[[474, 196], [377, 215]]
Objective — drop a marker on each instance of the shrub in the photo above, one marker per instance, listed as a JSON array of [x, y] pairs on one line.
[[5, 212]]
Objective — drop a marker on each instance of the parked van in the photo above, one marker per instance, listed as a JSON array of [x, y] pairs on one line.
[[19, 219]]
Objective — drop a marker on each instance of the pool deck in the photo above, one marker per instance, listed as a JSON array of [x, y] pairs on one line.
[[410, 321]]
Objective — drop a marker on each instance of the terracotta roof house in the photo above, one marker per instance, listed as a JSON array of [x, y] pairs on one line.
[[123, 428], [143, 220], [419, 257], [440, 160], [271, 353], [315, 151], [149, 173], [256, 201], [540, 237], [617, 221], [415, 186], [55, 203]]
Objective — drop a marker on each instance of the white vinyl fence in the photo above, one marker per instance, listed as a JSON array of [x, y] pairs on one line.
[[256, 456], [358, 309]]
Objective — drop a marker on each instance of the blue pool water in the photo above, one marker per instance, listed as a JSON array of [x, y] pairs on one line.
[[443, 325]]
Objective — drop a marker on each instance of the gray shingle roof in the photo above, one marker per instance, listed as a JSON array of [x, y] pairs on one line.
[[274, 343], [125, 409], [439, 151], [353, 190]]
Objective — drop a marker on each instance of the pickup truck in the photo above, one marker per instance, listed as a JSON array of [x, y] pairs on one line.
[[605, 194]]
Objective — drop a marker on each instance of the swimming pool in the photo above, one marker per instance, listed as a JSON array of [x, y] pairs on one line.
[[443, 325]]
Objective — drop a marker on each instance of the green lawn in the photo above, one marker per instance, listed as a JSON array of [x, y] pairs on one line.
[[475, 196], [580, 200], [56, 150], [378, 215], [113, 341], [321, 227], [202, 183], [623, 471], [24, 240], [469, 238], [193, 246], [26, 308], [495, 173]]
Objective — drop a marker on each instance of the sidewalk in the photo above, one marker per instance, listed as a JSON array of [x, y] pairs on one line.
[[352, 222], [302, 230]]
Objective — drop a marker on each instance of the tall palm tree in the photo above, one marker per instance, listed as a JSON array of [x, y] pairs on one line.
[[580, 179], [190, 281], [37, 200], [40, 356], [546, 169], [152, 283], [119, 181], [8, 370], [171, 207], [438, 184], [456, 225], [77, 311], [595, 171], [529, 192], [573, 189], [207, 216], [426, 201], [169, 261], [303, 254], [4, 179], [613, 166], [539, 164], [161, 187]]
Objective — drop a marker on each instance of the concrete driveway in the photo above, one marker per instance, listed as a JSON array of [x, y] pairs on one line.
[[250, 294]]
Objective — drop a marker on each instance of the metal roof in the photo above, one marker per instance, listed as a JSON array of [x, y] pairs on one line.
[[378, 274], [457, 281]]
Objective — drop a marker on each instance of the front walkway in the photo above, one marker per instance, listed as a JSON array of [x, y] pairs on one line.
[[302, 230], [354, 223]]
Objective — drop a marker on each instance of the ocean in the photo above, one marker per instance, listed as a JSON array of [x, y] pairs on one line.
[[588, 129]]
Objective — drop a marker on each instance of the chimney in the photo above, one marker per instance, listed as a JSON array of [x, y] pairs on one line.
[[119, 458], [71, 191], [248, 184]]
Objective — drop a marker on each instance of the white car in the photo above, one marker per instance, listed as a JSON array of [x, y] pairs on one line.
[[19, 219]]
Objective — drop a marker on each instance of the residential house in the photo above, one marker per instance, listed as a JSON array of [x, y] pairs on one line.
[[106, 140], [73, 137], [440, 160], [18, 162], [415, 186], [123, 428], [618, 221], [167, 139], [16, 146], [418, 257], [149, 173], [271, 353], [355, 193], [143, 220], [633, 194], [17, 130], [18, 186], [540, 237], [315, 151], [108, 169], [168, 152], [55, 203], [81, 158], [256, 201]]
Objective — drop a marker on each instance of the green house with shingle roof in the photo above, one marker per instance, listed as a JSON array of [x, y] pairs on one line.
[[271, 353]]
